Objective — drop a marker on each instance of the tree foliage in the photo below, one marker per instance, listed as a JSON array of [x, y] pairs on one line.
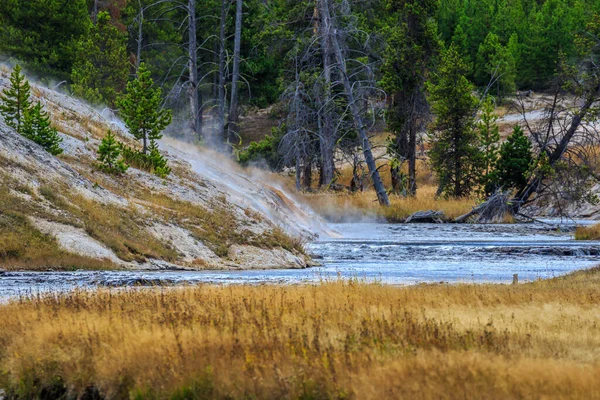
[[101, 65], [15, 99], [141, 109], [109, 153], [455, 155], [515, 162]]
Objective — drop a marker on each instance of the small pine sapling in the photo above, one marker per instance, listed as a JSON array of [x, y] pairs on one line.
[[109, 152], [15, 101], [159, 162], [37, 127]]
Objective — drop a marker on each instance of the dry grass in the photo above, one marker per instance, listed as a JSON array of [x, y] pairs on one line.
[[588, 232], [342, 339], [22, 247], [345, 206]]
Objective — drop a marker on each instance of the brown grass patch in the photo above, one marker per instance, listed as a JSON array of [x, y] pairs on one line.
[[22, 247], [588, 232], [341, 339], [345, 206]]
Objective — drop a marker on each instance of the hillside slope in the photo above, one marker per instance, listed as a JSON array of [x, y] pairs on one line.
[[61, 212]]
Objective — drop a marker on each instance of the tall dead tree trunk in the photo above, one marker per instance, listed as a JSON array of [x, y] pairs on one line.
[[326, 128], [524, 195], [232, 120], [221, 78], [140, 38], [358, 121], [194, 84]]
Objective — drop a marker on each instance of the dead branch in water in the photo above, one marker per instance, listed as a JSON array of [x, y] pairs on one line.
[[493, 210]]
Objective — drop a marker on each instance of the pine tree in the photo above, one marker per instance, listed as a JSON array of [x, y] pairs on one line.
[[495, 65], [108, 155], [489, 137], [515, 160], [455, 156], [101, 66], [159, 162], [15, 100], [141, 109], [37, 127]]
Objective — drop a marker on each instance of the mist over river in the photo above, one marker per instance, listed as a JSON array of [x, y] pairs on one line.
[[389, 253]]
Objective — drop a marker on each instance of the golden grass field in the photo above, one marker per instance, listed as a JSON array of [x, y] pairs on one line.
[[340, 339]]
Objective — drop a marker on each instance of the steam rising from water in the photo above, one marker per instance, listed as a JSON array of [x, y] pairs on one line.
[[255, 190]]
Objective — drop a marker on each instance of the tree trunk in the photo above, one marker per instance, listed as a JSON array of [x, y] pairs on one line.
[[138, 58], [221, 79], [362, 132], [232, 120], [523, 195], [326, 129], [412, 152], [307, 175], [298, 174], [95, 12], [195, 104]]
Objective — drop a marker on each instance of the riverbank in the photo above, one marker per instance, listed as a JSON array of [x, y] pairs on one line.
[[341, 339]]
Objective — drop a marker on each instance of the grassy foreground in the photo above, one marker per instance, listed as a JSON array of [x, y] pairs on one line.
[[341, 339]]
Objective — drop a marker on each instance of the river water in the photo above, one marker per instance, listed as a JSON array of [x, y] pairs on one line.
[[388, 253]]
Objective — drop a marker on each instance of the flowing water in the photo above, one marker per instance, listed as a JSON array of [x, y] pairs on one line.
[[390, 253]]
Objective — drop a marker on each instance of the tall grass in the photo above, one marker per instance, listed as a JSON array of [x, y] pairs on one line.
[[588, 232], [345, 206], [343, 339]]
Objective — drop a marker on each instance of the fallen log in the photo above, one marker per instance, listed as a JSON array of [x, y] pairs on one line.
[[493, 210], [424, 217]]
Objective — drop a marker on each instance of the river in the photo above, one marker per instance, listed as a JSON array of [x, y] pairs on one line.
[[387, 253]]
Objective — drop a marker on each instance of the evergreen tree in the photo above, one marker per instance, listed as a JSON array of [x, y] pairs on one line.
[[101, 67], [141, 109], [43, 33], [412, 44], [489, 137], [108, 155], [455, 156], [15, 100], [515, 161], [159, 162], [495, 65], [37, 127]]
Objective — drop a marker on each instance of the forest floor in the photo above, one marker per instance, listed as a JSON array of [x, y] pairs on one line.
[[338, 339]]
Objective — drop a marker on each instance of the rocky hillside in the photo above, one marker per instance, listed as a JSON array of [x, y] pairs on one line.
[[61, 212]]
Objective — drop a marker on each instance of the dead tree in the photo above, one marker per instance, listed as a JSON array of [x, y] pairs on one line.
[[221, 73], [565, 136], [341, 65], [194, 82], [232, 119], [325, 120]]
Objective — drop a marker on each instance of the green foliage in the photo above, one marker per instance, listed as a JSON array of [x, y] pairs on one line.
[[30, 121], [15, 100], [489, 138], [152, 162], [37, 127], [455, 155], [108, 155], [43, 33], [266, 150], [495, 66], [101, 67], [141, 109], [515, 161]]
